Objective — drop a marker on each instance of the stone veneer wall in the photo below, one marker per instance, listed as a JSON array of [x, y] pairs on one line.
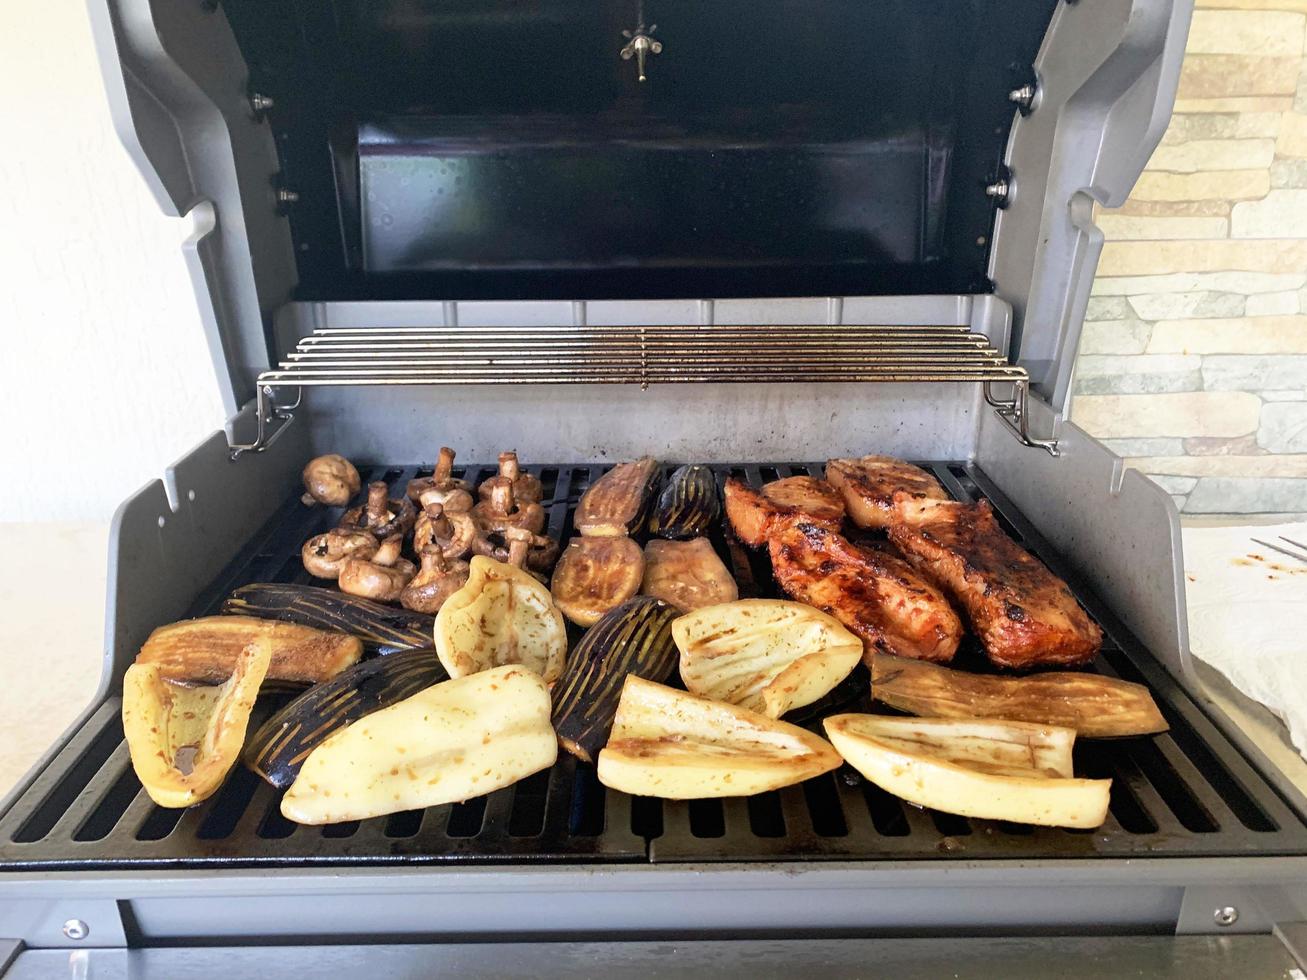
[[1193, 361]]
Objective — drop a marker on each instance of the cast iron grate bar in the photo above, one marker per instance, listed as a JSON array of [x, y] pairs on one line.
[[1185, 793]]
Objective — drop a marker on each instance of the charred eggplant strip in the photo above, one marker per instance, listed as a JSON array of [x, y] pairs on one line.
[[277, 750], [383, 629], [619, 502], [205, 650], [688, 507], [1093, 705], [633, 639]]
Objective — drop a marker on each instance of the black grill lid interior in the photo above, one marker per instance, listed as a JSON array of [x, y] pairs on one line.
[[501, 149]]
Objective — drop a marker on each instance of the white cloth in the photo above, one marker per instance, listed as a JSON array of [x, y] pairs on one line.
[[1248, 615]]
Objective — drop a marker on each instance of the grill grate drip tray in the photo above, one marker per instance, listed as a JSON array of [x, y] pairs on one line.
[[1187, 792]]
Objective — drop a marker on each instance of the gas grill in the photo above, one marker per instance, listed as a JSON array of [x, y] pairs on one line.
[[812, 230]]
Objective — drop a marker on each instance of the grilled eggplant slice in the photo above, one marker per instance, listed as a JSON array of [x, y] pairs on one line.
[[279, 747], [594, 575], [688, 574], [382, 629], [449, 743], [756, 514], [688, 506], [998, 770], [163, 722], [205, 650], [501, 616], [1093, 705], [619, 501], [766, 655], [679, 746], [635, 639]]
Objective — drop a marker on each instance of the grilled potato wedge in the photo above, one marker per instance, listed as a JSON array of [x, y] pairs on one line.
[[687, 574], [594, 575], [205, 650], [753, 513], [998, 770], [163, 720], [501, 616], [619, 501], [448, 743], [679, 746], [766, 655], [1094, 705]]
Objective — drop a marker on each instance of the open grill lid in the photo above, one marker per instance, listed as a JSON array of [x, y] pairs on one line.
[[502, 150], [445, 150]]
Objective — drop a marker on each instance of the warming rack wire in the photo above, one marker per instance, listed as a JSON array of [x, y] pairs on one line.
[[643, 355]]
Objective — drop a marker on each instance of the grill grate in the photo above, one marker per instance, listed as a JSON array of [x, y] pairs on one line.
[[1183, 793]]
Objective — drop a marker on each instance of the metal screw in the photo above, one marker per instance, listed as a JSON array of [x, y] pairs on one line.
[[1023, 96], [1226, 916], [999, 189], [286, 197], [261, 102], [76, 929]]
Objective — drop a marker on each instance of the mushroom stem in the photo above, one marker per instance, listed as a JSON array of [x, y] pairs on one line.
[[378, 507], [444, 465], [508, 465], [501, 498]]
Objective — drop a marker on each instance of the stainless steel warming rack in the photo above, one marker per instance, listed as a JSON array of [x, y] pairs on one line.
[[643, 355]]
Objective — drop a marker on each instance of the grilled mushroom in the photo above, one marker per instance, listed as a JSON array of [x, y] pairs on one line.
[[325, 554], [382, 583], [441, 487], [526, 488], [453, 533], [502, 510], [538, 553], [437, 579], [380, 515], [331, 480]]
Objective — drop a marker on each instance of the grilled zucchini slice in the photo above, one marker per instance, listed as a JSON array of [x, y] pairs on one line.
[[594, 575], [688, 506], [679, 746], [635, 638], [619, 501]]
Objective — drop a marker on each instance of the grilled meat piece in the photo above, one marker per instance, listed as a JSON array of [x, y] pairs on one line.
[[1024, 615], [869, 589], [868, 485], [755, 514]]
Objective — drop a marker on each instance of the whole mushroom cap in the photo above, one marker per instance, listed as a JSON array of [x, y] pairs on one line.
[[331, 479]]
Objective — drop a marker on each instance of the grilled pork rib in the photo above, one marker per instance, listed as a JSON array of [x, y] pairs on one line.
[[754, 514], [868, 485], [869, 589], [1024, 615]]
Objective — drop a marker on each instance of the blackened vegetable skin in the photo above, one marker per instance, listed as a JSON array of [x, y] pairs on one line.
[[383, 629], [688, 506], [635, 638]]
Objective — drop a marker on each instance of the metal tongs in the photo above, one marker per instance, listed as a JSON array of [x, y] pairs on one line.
[[1300, 554]]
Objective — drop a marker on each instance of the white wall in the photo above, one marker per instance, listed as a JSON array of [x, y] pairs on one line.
[[105, 376]]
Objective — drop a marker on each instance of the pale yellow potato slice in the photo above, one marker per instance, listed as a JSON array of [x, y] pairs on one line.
[[446, 744], [767, 655], [998, 770], [679, 746], [164, 721], [503, 615]]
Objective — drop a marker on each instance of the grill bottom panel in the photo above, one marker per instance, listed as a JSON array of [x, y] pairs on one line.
[[1186, 792]]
